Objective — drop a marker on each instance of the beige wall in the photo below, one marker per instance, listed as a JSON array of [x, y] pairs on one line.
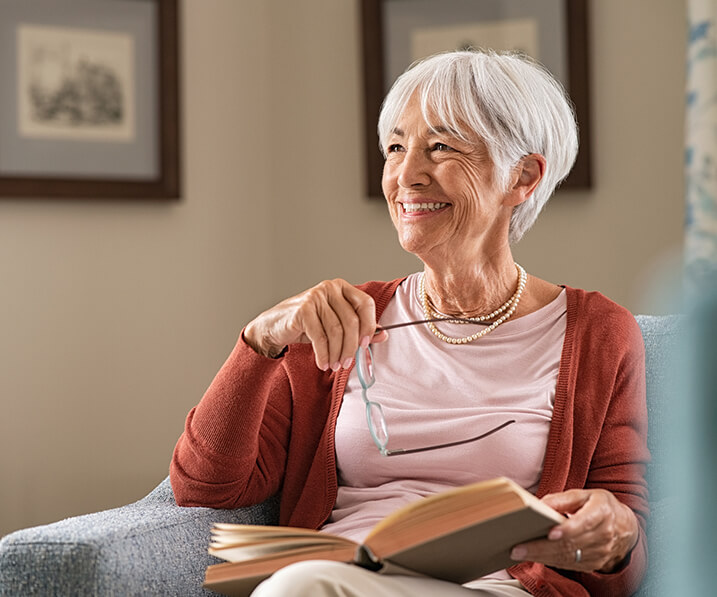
[[114, 316]]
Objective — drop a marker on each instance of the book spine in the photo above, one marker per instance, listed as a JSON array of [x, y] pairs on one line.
[[366, 559]]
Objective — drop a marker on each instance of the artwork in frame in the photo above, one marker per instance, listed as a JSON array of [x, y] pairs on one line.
[[89, 104], [398, 32]]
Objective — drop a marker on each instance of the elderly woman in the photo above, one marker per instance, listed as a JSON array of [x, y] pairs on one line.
[[475, 143]]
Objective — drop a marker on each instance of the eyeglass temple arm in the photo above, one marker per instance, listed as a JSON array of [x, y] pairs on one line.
[[399, 451], [383, 328]]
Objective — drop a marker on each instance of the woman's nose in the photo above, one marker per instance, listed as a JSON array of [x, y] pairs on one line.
[[414, 169]]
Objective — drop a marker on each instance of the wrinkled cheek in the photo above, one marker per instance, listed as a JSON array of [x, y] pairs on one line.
[[388, 180], [394, 212]]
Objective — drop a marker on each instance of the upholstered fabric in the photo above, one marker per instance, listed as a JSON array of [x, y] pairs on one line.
[[151, 547], [661, 337], [154, 547]]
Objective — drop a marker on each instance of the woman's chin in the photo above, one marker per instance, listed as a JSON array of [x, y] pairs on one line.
[[416, 246]]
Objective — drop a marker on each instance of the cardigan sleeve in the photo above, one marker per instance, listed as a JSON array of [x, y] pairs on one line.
[[619, 461], [233, 449]]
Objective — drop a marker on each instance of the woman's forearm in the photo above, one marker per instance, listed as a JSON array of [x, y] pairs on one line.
[[233, 448]]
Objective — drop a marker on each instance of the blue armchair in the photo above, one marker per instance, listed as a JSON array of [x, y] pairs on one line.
[[154, 547]]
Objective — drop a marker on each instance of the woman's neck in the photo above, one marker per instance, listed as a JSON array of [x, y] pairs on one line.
[[473, 289]]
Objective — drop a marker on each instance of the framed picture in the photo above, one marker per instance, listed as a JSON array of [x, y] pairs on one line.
[[398, 32], [89, 103]]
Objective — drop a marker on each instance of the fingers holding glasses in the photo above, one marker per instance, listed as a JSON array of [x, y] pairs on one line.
[[365, 309], [334, 316], [339, 317]]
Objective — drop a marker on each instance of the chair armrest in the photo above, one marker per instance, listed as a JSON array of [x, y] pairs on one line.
[[151, 547]]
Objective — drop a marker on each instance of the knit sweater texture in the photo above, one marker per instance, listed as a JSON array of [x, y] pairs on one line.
[[267, 425]]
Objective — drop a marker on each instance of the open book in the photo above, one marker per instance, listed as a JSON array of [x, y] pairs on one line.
[[457, 535]]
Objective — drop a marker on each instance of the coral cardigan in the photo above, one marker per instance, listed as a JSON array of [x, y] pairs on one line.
[[267, 425]]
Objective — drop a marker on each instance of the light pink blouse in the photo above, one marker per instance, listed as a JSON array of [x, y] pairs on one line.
[[432, 393]]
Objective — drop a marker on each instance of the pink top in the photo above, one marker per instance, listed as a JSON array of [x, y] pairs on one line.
[[432, 393]]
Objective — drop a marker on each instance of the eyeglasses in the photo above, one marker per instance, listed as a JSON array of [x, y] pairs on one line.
[[374, 412]]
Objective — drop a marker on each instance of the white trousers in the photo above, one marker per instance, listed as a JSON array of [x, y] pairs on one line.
[[318, 578]]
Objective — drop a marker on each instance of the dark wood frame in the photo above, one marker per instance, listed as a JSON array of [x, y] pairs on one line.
[[578, 64], [167, 185]]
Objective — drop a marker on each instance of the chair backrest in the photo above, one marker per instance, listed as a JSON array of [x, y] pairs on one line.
[[660, 334]]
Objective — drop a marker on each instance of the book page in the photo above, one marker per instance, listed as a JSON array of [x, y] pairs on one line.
[[268, 549], [238, 543]]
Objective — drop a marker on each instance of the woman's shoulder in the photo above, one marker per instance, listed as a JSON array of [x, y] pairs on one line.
[[381, 292], [377, 287], [591, 303], [597, 316]]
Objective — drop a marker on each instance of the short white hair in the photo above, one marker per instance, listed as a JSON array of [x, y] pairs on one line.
[[511, 102]]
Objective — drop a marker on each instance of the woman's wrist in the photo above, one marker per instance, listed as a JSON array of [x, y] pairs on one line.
[[252, 337], [628, 536]]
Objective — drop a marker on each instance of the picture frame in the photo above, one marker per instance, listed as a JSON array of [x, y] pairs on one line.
[[89, 106], [392, 28]]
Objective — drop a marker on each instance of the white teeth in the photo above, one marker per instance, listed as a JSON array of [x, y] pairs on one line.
[[414, 207]]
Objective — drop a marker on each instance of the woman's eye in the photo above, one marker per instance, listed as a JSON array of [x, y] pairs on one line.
[[441, 147], [394, 148]]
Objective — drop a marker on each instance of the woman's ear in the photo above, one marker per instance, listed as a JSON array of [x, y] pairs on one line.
[[526, 176]]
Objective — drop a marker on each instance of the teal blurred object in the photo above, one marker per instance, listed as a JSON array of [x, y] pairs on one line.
[[702, 512], [692, 465]]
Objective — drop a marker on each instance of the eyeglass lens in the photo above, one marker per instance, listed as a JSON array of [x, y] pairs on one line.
[[364, 366], [377, 424]]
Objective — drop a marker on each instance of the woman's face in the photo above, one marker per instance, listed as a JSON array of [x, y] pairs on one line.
[[441, 193]]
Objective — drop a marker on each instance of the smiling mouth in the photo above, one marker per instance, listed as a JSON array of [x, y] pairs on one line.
[[412, 208]]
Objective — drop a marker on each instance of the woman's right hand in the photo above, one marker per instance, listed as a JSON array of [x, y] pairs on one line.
[[334, 316]]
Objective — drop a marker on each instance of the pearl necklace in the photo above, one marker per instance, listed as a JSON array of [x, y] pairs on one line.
[[507, 309]]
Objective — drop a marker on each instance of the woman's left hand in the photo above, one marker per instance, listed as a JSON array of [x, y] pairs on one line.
[[599, 534]]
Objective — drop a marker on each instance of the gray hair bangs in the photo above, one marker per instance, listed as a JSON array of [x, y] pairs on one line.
[[508, 101]]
